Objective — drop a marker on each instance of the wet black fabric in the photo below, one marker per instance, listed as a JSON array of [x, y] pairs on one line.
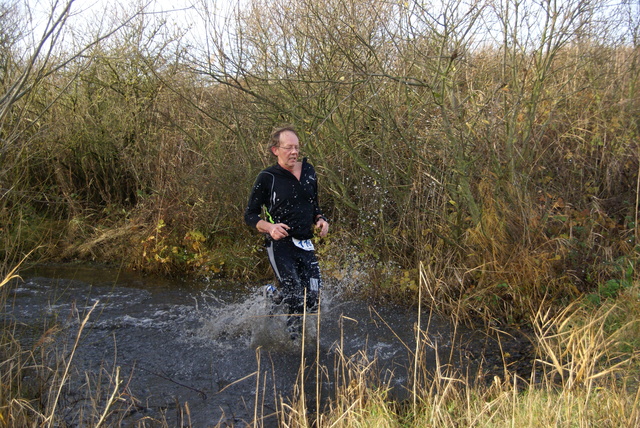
[[297, 271], [287, 200], [295, 203]]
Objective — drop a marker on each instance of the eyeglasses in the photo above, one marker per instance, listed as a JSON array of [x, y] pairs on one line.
[[290, 148]]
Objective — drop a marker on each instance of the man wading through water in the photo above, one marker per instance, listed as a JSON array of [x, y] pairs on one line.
[[289, 192]]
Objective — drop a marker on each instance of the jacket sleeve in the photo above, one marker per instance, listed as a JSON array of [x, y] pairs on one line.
[[259, 197]]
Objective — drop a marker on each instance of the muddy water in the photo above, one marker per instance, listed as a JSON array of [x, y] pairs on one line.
[[204, 354]]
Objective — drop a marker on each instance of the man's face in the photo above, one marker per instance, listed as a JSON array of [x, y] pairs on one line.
[[287, 150]]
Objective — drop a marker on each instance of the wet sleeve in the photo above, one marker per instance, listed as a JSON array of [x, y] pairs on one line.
[[259, 197]]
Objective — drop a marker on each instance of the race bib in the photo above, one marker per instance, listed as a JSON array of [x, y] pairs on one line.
[[305, 244]]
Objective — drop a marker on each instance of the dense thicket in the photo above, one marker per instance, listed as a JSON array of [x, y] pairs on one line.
[[497, 144]]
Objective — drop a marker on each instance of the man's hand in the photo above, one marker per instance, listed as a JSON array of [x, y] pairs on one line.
[[276, 231], [323, 227], [279, 231]]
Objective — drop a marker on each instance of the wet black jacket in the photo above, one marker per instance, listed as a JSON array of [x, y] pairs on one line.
[[287, 200]]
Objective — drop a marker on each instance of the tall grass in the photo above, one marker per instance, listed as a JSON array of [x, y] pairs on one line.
[[586, 375]]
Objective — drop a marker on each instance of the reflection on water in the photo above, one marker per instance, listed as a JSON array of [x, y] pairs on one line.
[[219, 348]]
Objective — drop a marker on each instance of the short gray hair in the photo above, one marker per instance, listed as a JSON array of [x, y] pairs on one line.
[[275, 135]]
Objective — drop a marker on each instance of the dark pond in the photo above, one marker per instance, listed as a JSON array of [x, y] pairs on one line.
[[210, 353]]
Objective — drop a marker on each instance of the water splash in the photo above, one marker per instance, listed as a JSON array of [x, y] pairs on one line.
[[256, 321]]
